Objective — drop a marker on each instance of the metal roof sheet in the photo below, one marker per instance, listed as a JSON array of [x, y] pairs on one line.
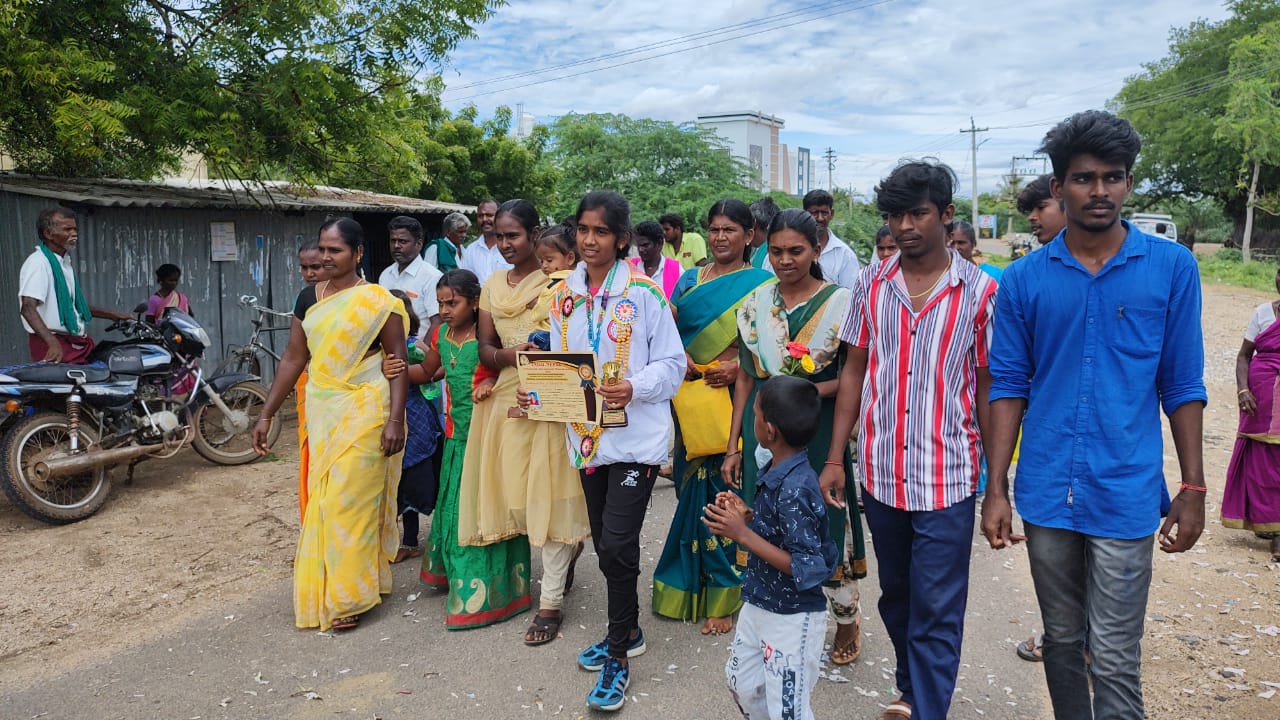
[[197, 193]]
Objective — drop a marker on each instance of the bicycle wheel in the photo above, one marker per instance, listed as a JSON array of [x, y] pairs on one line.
[[242, 360]]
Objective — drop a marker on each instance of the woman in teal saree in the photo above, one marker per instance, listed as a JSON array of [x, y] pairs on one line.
[[697, 576]]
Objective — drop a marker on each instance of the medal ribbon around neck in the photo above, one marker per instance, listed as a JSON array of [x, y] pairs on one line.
[[595, 331], [624, 314]]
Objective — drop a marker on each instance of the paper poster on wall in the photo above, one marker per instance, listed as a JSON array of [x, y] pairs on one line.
[[222, 241]]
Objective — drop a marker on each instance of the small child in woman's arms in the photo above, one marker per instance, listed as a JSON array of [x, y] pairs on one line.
[[774, 658]]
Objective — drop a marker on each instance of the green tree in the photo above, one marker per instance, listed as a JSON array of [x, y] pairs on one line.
[[468, 161], [1175, 104], [306, 90], [1252, 120], [659, 166]]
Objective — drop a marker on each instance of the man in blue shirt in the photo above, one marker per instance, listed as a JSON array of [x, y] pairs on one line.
[[1093, 335]]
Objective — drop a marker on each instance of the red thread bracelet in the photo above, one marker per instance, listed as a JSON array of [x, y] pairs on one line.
[[1195, 488], [837, 464]]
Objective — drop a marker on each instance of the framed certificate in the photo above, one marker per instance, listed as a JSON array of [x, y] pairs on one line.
[[561, 386]]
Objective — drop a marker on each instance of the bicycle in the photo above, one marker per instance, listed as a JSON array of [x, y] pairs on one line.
[[246, 358]]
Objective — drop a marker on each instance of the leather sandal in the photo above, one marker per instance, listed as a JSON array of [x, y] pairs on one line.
[[897, 710]]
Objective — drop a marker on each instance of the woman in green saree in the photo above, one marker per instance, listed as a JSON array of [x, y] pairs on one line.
[[696, 576], [792, 328]]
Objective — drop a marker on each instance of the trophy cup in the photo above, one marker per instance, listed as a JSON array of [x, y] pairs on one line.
[[611, 374]]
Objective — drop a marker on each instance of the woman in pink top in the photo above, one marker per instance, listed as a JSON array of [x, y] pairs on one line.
[[167, 296], [665, 271]]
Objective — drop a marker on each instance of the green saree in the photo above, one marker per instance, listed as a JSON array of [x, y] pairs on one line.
[[765, 327]]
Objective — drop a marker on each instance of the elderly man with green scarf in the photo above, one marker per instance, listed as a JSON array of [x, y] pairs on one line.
[[54, 311]]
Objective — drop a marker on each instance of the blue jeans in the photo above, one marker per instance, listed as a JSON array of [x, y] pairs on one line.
[[922, 559], [1095, 586]]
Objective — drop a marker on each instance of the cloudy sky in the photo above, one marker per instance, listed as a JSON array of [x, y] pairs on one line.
[[875, 80]]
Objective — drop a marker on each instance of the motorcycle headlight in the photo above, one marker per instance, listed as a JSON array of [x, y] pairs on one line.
[[201, 337]]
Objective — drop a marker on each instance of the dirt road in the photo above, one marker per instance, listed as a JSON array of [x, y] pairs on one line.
[[173, 598]]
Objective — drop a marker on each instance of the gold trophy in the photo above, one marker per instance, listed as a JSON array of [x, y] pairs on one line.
[[611, 374]]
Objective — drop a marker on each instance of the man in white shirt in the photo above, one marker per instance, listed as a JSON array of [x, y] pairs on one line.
[[838, 262], [411, 273], [449, 253], [54, 311], [482, 256]]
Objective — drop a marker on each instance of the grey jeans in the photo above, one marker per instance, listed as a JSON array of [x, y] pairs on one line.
[[1094, 585]]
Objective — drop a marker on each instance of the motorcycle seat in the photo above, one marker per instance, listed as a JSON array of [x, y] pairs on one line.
[[56, 373]]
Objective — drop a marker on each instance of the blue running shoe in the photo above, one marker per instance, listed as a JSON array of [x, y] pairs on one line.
[[610, 692], [593, 658]]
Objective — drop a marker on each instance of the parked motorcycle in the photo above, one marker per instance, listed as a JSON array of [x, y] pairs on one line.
[[68, 426]]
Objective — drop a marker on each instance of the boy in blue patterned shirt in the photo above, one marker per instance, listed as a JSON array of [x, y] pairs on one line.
[[774, 658]]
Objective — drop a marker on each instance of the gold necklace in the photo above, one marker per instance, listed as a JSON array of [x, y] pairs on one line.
[[706, 271], [323, 288], [448, 334], [934, 286]]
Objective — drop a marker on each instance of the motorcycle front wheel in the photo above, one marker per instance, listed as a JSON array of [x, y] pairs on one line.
[[228, 439], [62, 500]]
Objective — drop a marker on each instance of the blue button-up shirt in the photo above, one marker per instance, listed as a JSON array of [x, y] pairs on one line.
[[1096, 356], [790, 514]]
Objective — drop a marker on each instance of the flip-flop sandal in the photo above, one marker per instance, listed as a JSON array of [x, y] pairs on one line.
[[895, 710], [1030, 650], [548, 626], [573, 564], [346, 623], [848, 653]]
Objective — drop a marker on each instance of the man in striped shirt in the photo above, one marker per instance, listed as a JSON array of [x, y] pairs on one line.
[[917, 336]]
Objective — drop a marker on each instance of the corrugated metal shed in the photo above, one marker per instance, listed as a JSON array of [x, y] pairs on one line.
[[128, 229], [220, 194]]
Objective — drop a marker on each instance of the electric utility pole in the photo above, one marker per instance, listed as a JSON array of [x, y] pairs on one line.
[[973, 151], [830, 155]]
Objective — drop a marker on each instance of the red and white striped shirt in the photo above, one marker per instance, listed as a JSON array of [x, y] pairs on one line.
[[919, 447]]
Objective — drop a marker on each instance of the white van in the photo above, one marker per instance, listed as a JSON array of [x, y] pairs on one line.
[[1155, 224]]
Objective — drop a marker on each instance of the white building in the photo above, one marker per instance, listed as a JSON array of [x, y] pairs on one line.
[[522, 125], [752, 136]]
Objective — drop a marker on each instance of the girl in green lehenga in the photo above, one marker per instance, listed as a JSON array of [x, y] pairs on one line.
[[486, 583], [792, 328], [697, 575]]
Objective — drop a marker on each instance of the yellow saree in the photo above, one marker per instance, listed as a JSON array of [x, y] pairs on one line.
[[349, 531], [516, 476]]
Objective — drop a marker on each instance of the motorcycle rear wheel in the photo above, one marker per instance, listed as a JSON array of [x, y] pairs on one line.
[[59, 500], [218, 439]]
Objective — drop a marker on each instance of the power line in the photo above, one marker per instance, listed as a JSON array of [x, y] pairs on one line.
[[649, 47], [710, 43]]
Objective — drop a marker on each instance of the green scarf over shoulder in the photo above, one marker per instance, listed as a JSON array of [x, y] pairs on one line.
[[70, 313]]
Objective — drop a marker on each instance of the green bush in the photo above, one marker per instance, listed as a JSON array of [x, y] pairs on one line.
[[1229, 255]]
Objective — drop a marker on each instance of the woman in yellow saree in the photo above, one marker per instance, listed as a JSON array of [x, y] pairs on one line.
[[342, 327]]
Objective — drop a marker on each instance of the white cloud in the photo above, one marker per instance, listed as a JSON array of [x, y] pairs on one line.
[[875, 83]]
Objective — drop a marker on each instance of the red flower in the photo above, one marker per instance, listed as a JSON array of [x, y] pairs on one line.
[[797, 350]]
